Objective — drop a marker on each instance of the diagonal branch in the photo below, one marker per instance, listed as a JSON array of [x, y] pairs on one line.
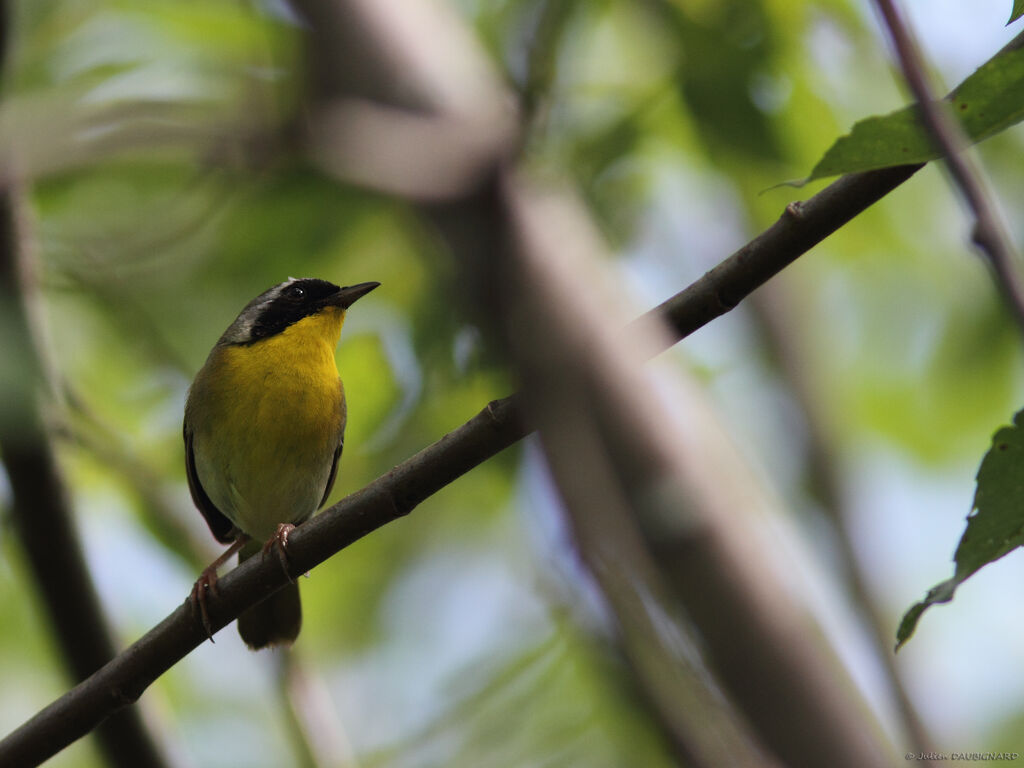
[[396, 493]]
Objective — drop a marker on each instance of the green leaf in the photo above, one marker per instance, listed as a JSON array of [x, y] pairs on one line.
[[987, 102], [994, 527], [1017, 12]]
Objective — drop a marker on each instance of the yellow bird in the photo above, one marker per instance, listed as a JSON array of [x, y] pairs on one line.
[[264, 428]]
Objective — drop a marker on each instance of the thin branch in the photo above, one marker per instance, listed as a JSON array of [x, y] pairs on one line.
[[303, 755], [553, 20], [310, 717], [802, 226], [989, 233], [159, 511]]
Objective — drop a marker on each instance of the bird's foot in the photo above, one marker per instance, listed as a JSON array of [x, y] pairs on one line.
[[280, 538], [205, 585]]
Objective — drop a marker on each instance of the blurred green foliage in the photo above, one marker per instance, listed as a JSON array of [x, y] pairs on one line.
[[164, 195]]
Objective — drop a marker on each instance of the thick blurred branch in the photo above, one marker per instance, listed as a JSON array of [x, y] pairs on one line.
[[779, 331], [989, 232], [41, 510], [619, 445], [478, 223], [576, 373]]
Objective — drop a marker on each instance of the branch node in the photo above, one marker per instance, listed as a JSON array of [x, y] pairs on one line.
[[795, 210], [981, 236], [494, 411], [120, 697], [724, 304], [400, 510]]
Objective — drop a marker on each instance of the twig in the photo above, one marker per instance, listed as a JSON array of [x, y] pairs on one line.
[[160, 513], [553, 20], [318, 738], [800, 228], [989, 233], [303, 754]]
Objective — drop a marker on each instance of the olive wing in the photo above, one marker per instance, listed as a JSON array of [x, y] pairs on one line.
[[343, 418], [223, 530], [334, 474]]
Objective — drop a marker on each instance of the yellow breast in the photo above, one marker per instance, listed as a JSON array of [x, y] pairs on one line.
[[267, 418]]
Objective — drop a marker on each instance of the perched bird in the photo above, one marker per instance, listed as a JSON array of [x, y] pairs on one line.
[[264, 428]]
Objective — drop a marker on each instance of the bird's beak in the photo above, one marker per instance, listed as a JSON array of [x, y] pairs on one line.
[[348, 295]]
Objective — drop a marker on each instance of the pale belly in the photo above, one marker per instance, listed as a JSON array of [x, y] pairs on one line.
[[268, 458], [266, 485]]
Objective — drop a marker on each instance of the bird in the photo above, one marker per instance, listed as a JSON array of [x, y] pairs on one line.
[[264, 429]]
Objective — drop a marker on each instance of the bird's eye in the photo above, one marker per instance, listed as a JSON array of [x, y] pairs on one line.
[[296, 292]]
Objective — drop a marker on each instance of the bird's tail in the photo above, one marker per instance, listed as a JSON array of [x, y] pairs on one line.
[[277, 619]]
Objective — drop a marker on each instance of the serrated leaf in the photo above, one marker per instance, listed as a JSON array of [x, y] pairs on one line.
[[987, 102], [1017, 12], [995, 525]]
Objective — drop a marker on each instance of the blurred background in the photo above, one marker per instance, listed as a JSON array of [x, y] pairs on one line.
[[161, 192]]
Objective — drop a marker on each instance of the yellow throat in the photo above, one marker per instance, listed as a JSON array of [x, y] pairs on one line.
[[281, 412]]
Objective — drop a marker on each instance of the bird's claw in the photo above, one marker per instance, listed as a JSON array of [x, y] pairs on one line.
[[280, 538], [205, 585]]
